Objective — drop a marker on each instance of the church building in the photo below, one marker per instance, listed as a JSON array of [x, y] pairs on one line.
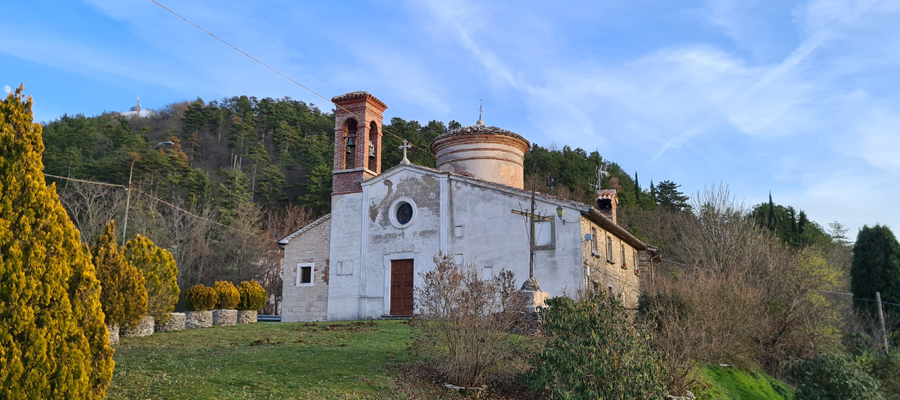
[[364, 259]]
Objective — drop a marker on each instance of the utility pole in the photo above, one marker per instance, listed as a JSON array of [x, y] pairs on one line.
[[881, 317], [531, 235]]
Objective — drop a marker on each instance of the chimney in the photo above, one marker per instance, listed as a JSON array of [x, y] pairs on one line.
[[607, 201]]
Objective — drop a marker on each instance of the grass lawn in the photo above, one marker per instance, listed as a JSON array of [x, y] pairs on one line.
[[258, 361], [731, 383]]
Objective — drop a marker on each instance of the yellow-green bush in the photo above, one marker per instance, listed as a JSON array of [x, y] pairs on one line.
[[228, 295], [253, 296], [200, 298], [53, 339], [160, 275], [123, 294]]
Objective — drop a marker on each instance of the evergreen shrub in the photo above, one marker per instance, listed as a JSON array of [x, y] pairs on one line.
[[833, 376], [253, 296], [160, 275], [595, 351], [123, 293], [200, 298], [53, 340], [228, 296]]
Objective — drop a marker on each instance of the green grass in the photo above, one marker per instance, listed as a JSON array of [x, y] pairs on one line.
[[269, 360], [729, 383]]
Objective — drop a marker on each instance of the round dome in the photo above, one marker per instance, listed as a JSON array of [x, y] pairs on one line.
[[486, 152]]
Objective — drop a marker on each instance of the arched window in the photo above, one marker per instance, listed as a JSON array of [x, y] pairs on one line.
[[350, 156], [373, 146]]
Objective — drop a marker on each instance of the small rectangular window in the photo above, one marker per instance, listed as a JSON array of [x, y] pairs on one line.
[[595, 248], [458, 231], [458, 259], [609, 250], [488, 273], [624, 265], [305, 275]]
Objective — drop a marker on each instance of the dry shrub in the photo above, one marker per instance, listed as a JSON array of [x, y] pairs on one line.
[[730, 292], [462, 322]]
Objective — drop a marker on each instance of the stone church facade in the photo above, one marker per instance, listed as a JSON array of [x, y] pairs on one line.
[[364, 260]]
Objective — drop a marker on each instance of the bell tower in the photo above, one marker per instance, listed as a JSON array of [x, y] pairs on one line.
[[357, 140]]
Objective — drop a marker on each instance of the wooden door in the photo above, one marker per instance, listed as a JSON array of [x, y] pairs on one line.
[[402, 287]]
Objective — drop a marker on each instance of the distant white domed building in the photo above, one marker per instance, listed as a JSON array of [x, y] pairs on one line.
[[364, 260]]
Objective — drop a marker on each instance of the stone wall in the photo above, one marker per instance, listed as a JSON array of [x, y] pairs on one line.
[[198, 319], [143, 328], [610, 271], [307, 302], [246, 316], [224, 317], [113, 334], [175, 323]]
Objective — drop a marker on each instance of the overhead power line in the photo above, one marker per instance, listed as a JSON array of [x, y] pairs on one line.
[[156, 199], [287, 77]]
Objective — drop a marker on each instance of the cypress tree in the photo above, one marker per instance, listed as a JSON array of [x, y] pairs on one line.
[[771, 216], [160, 272], [876, 266], [637, 189], [124, 295], [53, 339], [653, 192]]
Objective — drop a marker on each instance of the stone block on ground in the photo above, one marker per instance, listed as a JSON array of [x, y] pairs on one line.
[[246, 316], [113, 334], [143, 328], [175, 323], [224, 317], [198, 319]]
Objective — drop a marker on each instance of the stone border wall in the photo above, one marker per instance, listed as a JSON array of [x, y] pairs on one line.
[[198, 319], [143, 328], [175, 323], [246, 316], [113, 334], [224, 317]]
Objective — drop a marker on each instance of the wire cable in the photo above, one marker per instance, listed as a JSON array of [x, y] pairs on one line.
[[289, 78]]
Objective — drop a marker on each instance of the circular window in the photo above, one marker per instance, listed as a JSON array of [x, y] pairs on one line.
[[402, 213]]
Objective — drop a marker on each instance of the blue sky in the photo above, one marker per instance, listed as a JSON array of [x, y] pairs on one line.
[[798, 97]]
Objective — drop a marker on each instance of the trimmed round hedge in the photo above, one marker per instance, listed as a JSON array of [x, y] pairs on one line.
[[253, 296], [228, 295], [200, 298]]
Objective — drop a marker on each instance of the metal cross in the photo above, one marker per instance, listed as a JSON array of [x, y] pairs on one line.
[[404, 146], [480, 110]]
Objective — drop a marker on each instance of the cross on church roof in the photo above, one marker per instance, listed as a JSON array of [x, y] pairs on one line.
[[404, 146], [480, 112]]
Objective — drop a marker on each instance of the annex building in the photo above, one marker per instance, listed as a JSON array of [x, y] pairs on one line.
[[364, 260]]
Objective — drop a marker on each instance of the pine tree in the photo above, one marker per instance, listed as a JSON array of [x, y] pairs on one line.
[[876, 265], [53, 340], [160, 272], [123, 295]]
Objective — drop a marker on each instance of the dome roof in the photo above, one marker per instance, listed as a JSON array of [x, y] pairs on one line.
[[478, 129]]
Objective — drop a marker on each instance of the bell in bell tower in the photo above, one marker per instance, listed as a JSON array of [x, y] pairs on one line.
[[357, 140]]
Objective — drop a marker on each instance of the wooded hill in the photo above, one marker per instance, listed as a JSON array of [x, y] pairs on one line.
[[281, 150]]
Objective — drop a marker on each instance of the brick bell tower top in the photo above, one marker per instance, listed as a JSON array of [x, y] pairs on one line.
[[357, 140]]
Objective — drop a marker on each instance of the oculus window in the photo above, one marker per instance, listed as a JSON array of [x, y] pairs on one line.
[[402, 213]]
